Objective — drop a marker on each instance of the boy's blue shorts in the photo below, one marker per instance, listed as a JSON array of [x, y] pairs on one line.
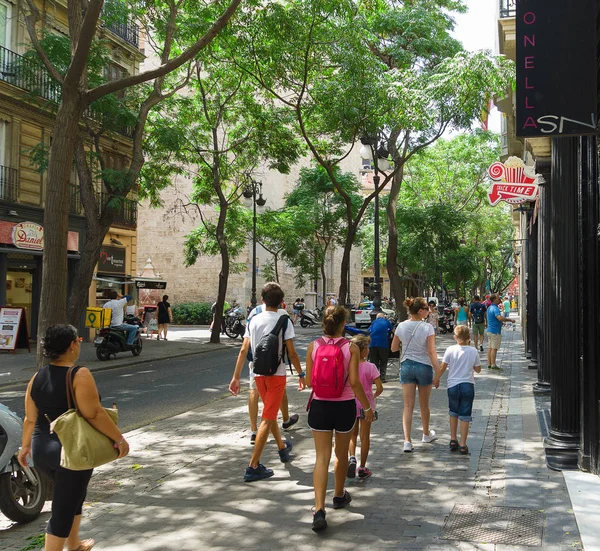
[[460, 401]]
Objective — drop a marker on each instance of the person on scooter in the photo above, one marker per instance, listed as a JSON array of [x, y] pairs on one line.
[[117, 304]]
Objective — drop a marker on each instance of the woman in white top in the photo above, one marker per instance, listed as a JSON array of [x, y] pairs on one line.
[[418, 364]]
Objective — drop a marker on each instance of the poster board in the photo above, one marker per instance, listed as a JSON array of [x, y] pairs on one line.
[[13, 329]]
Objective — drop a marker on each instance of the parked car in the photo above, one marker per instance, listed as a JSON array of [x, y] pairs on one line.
[[362, 315]]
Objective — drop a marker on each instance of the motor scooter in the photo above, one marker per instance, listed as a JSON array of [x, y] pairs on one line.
[[308, 318], [111, 341], [234, 322], [23, 490]]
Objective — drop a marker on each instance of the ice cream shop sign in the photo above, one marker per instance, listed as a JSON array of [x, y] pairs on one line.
[[27, 235], [512, 182]]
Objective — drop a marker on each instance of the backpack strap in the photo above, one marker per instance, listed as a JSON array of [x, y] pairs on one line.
[[279, 326]]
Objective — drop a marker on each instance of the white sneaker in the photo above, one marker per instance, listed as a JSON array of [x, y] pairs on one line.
[[408, 447], [428, 439]]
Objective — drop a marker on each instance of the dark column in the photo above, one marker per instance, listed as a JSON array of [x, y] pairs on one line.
[[562, 445], [532, 269], [36, 293], [3, 275], [589, 301], [542, 386]]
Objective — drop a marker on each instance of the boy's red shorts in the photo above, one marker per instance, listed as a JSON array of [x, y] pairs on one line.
[[271, 391]]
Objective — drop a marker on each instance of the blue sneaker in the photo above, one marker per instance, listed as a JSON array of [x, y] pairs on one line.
[[284, 453], [258, 473]]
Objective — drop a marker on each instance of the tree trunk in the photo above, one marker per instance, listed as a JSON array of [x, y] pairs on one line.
[[215, 336], [396, 283], [324, 280], [53, 300], [345, 267], [276, 267]]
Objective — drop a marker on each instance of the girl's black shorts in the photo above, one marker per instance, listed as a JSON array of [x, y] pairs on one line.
[[325, 415]]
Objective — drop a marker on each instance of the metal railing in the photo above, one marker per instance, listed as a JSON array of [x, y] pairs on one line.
[[508, 8], [28, 75], [75, 205], [9, 184], [125, 210], [129, 32]]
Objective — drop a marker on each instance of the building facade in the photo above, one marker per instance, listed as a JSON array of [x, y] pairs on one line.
[[28, 99]]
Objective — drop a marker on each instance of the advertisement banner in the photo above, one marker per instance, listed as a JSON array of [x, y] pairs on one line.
[[556, 68], [513, 182]]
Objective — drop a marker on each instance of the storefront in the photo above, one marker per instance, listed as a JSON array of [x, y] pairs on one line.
[[21, 250]]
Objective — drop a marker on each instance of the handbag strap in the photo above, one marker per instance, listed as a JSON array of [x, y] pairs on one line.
[[411, 338], [71, 401]]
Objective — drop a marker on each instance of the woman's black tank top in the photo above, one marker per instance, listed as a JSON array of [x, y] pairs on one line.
[[49, 392]]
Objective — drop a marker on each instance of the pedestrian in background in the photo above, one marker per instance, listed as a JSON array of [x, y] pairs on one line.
[[461, 360], [46, 400], [379, 349], [478, 318], [165, 316], [418, 364], [495, 321], [327, 416], [461, 313], [433, 318], [369, 376]]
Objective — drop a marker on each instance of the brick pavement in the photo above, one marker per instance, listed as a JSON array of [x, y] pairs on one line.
[[181, 487]]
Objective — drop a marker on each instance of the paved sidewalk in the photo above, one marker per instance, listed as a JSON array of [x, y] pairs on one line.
[[182, 341], [181, 487]]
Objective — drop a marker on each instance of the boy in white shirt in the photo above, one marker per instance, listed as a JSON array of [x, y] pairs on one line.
[[461, 360]]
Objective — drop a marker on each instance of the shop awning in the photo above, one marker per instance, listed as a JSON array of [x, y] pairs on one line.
[[117, 281]]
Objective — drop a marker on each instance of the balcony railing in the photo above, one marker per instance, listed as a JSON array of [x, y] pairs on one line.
[[129, 32], [508, 8], [28, 75], [125, 211], [75, 205], [9, 184]]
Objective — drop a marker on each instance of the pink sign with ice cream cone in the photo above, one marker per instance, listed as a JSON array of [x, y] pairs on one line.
[[514, 182]]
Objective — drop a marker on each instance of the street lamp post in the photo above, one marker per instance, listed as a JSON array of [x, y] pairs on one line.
[[378, 154], [250, 191]]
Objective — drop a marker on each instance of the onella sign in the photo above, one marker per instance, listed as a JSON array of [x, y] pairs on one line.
[[513, 182]]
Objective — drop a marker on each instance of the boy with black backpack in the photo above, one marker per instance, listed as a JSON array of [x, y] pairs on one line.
[[478, 321], [269, 336]]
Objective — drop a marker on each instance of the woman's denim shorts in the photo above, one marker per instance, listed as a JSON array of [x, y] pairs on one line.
[[416, 373]]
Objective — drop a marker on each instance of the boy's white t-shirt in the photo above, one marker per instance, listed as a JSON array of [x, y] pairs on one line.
[[263, 323], [461, 360]]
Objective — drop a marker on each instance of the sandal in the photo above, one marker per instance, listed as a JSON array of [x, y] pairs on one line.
[[464, 450], [85, 545], [453, 445]]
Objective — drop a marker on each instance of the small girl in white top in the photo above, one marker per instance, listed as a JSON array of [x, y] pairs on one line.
[[461, 360]]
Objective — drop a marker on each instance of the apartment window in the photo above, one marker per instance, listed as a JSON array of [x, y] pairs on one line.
[[114, 72], [5, 19]]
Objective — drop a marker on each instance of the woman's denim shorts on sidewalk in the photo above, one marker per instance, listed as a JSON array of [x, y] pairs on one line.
[[416, 373], [460, 401]]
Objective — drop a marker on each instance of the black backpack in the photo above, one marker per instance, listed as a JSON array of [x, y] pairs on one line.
[[478, 313], [267, 353]]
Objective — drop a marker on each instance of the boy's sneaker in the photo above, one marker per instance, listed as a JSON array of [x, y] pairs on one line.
[[408, 447], [480, 348], [258, 473], [291, 421], [341, 502], [319, 521], [351, 467], [284, 453], [428, 438], [252, 439], [363, 472]]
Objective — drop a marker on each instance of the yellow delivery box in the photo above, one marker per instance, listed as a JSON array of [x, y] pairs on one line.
[[97, 317]]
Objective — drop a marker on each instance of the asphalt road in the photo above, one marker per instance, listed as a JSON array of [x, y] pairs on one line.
[[156, 390]]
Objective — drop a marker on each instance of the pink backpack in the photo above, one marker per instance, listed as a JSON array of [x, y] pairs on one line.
[[329, 373]]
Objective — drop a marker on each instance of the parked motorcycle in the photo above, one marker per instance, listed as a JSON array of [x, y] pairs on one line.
[[308, 318], [446, 323], [110, 341], [23, 490], [235, 325]]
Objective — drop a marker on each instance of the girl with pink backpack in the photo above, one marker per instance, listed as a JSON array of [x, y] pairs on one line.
[[332, 372]]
